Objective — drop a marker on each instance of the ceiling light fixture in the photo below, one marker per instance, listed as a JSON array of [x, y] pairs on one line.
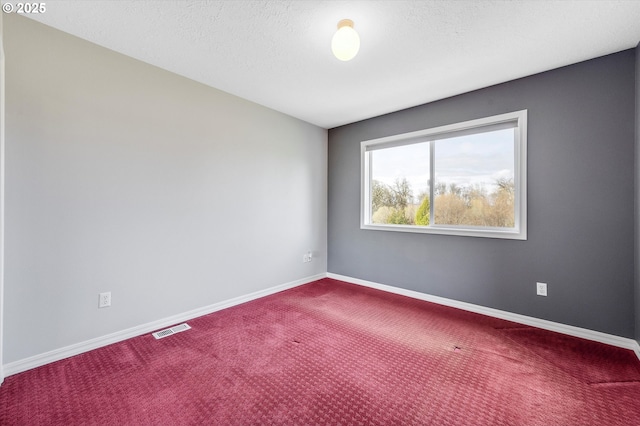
[[346, 41]]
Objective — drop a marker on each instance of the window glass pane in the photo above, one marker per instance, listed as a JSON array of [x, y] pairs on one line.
[[474, 180], [400, 185]]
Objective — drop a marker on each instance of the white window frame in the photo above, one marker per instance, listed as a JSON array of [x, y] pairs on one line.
[[517, 120]]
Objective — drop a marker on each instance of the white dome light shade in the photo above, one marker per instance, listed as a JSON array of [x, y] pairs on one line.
[[346, 41]]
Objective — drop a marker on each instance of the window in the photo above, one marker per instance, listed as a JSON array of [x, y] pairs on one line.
[[462, 179]]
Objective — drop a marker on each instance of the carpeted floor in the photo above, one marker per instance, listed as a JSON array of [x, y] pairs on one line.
[[332, 353]]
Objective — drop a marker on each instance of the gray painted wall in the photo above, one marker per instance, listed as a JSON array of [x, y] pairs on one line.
[[126, 178], [637, 193], [580, 195], [2, 126]]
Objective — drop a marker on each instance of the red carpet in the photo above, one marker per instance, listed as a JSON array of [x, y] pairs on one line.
[[340, 354]]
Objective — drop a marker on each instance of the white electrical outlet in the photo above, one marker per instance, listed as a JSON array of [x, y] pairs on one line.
[[541, 289], [307, 257], [104, 300]]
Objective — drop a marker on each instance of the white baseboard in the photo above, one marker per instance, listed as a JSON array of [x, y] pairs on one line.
[[78, 348], [570, 330]]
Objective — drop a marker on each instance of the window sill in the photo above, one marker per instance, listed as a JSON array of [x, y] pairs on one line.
[[460, 231]]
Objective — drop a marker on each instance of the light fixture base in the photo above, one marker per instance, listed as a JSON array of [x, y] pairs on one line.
[[345, 23]]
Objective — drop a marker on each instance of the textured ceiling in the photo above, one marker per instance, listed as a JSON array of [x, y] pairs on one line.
[[277, 53]]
